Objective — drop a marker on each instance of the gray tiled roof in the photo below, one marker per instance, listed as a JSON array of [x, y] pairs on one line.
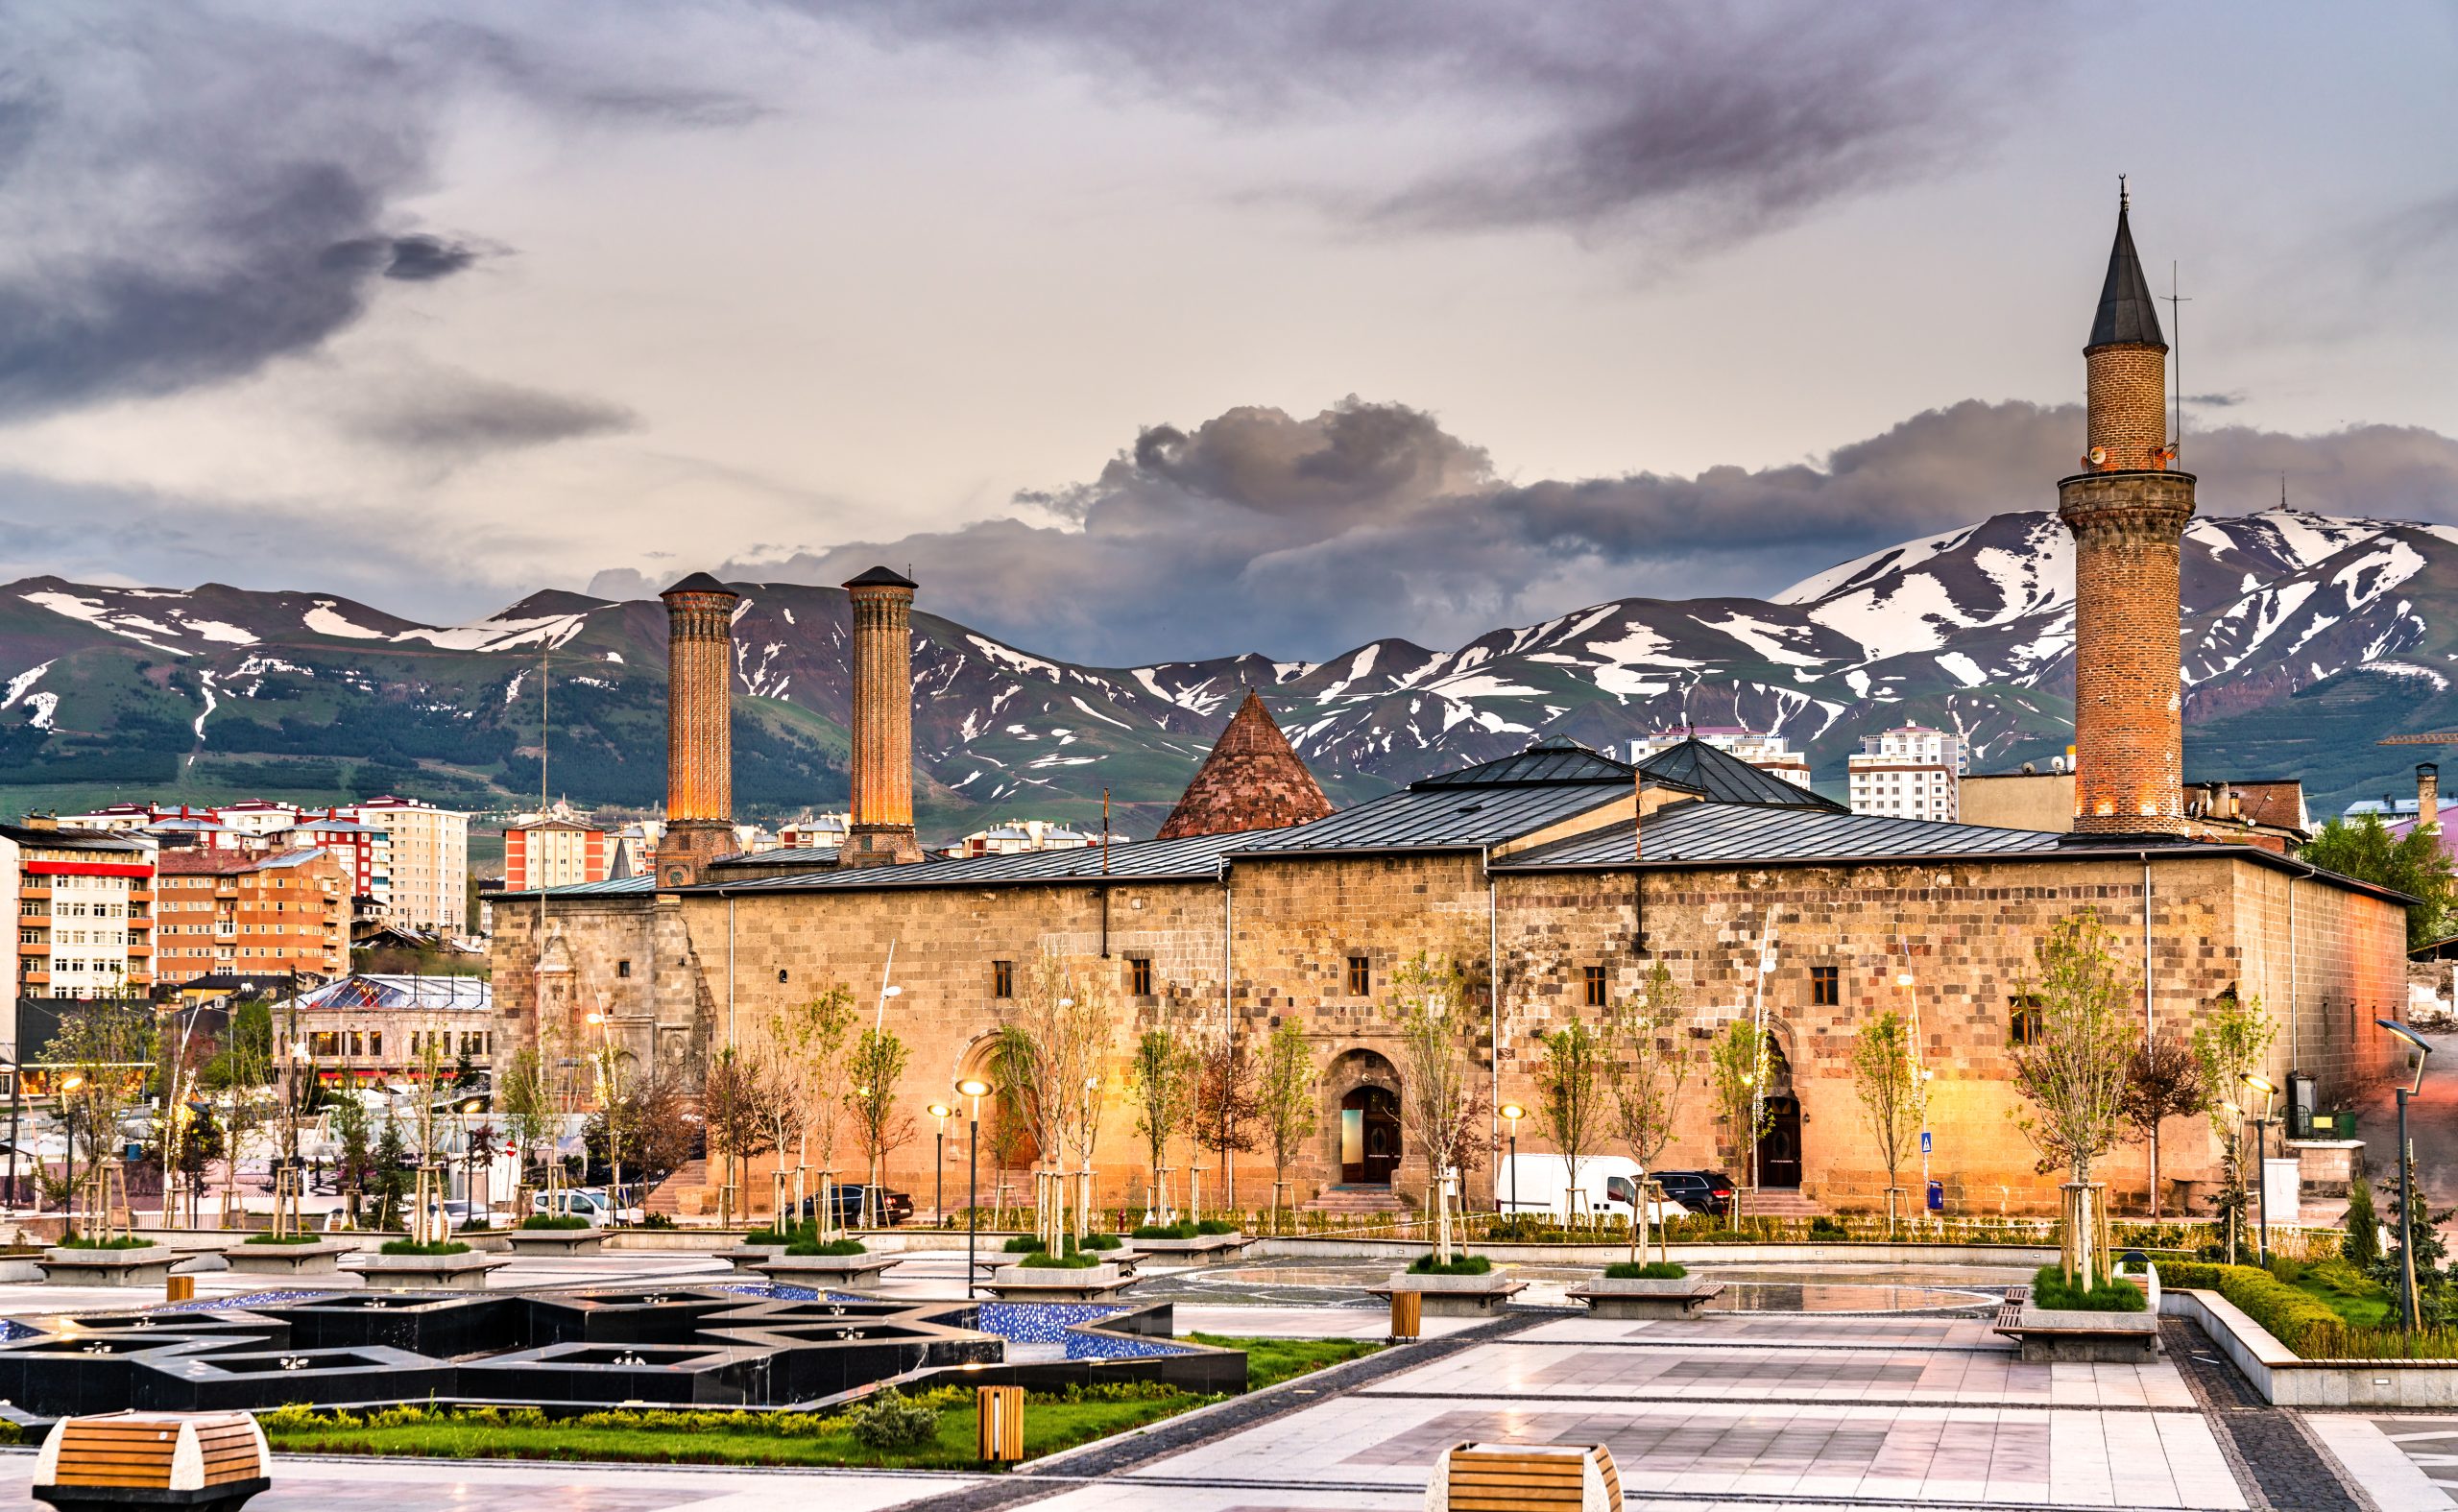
[[1720, 832]]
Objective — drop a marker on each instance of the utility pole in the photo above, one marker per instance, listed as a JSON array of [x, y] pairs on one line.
[[2176, 360]]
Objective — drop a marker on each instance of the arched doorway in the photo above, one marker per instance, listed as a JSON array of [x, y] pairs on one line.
[[1369, 1136], [1779, 1148]]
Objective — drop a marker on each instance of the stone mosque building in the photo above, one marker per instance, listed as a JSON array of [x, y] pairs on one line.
[[1558, 877]]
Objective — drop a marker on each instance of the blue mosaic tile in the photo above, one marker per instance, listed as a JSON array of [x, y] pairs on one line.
[[243, 1304]]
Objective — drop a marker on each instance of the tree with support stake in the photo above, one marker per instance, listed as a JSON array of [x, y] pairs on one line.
[[1736, 1075], [2074, 1074], [1646, 1069], [1286, 1101], [1893, 1096]]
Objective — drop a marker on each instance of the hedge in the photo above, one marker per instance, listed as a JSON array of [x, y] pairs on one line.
[[2302, 1321]]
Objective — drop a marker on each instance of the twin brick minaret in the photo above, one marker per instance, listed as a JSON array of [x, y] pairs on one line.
[[699, 729], [882, 765], [2128, 512]]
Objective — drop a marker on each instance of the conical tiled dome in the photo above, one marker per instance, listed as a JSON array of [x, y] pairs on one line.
[[1252, 780]]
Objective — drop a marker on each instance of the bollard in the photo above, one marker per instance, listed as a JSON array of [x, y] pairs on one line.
[[1000, 1426], [1408, 1314], [178, 1288]]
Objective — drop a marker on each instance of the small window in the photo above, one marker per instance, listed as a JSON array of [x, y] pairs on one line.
[[1826, 986], [622, 968], [1595, 984], [1361, 976], [1138, 976], [1003, 978], [2022, 1021]]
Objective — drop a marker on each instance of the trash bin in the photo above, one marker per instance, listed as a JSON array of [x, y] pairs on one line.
[[2345, 1120], [1937, 1196]]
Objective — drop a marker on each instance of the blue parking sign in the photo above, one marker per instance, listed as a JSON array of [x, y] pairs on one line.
[[1924, 1141]]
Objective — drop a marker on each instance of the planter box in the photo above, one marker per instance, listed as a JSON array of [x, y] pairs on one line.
[[423, 1272], [320, 1257], [149, 1266], [1052, 1284], [555, 1241], [823, 1271], [1219, 1245], [1455, 1296], [1609, 1297], [2056, 1334], [749, 1257]]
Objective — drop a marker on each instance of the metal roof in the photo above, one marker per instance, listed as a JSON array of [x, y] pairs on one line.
[[882, 577], [813, 855], [698, 583], [1196, 855], [1745, 832], [2127, 314], [612, 886], [1555, 760], [366, 989], [1727, 779], [1445, 816]]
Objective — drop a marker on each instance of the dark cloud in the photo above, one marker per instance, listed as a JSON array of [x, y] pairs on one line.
[[1260, 531], [447, 416], [188, 191], [2218, 401], [1683, 122]]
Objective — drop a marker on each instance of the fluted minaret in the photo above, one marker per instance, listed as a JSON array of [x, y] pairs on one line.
[[2128, 512], [699, 729], [882, 733]]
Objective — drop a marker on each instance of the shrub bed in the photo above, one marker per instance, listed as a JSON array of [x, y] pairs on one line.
[[1646, 1270], [2304, 1322], [1465, 1265], [1101, 1242], [2051, 1290], [80, 1242], [554, 1221], [410, 1247], [831, 1247], [1045, 1260], [1024, 1244], [283, 1238], [1164, 1230], [1212, 1226]]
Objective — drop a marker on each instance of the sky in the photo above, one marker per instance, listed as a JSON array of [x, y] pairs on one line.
[[1143, 331]]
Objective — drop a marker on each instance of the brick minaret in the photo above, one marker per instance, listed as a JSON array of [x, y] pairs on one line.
[[883, 735], [2128, 512], [699, 734], [2428, 798]]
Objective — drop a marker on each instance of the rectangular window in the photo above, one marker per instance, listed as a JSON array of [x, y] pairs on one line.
[[323, 1044], [1594, 985], [375, 1041], [1003, 978], [2022, 1021], [1138, 976], [622, 968], [1826, 986], [1361, 976]]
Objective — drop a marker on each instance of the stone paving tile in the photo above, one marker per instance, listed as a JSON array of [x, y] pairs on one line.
[[1799, 1333], [2405, 1464]]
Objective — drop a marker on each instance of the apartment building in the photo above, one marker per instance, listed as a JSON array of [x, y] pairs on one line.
[[84, 909], [1911, 772], [364, 851], [1767, 752], [1019, 835], [430, 848], [253, 914], [555, 851]]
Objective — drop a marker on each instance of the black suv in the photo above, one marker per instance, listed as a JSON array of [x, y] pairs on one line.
[[1700, 1191], [891, 1206]]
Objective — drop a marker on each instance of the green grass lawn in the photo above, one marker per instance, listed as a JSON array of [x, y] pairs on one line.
[[1052, 1423], [2347, 1291]]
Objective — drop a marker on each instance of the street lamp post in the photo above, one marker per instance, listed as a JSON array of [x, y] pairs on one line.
[[939, 1166], [1513, 1112], [2261, 1153], [2406, 1191], [68, 1089], [974, 1091]]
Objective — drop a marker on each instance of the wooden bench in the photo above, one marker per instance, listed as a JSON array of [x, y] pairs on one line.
[[212, 1462], [1525, 1478]]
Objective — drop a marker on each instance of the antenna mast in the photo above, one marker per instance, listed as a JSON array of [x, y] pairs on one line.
[[2177, 359]]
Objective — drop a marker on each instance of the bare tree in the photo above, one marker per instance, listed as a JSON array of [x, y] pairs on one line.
[[1893, 1096], [2073, 1073], [1441, 1103], [1646, 1071], [732, 1112], [2232, 1039], [799, 1051], [2163, 1081], [528, 1111], [1571, 1098], [1286, 1100], [1737, 1076], [1052, 1055], [1224, 1105], [874, 1069], [1164, 1072]]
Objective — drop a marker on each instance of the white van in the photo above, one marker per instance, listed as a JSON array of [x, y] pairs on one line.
[[1607, 1186]]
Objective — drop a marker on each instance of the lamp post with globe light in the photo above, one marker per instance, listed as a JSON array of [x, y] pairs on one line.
[[2261, 1152], [973, 1089], [69, 1086], [1512, 1113], [2406, 1190], [939, 1166]]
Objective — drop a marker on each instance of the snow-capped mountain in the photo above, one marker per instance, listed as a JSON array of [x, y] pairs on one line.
[[2288, 614]]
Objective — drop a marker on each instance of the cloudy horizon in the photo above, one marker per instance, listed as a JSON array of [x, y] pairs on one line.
[[1144, 332]]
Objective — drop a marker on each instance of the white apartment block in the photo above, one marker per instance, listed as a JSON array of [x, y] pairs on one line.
[[1909, 773], [430, 861], [1767, 752]]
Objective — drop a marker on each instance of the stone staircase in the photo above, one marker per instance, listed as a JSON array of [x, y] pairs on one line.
[[667, 1198], [1358, 1202], [1778, 1202]]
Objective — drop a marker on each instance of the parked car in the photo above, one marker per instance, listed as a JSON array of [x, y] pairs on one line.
[[1607, 1187], [585, 1202], [892, 1207], [1701, 1191]]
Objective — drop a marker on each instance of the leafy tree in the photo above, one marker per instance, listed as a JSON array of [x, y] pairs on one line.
[[1440, 1105], [356, 1167], [107, 1046], [1225, 1104], [2074, 1073], [2363, 1247], [1163, 1074], [392, 1176], [2412, 863], [528, 1106], [2418, 1231], [1736, 1072], [1646, 1071], [1286, 1098], [2163, 1081], [1570, 1095], [2232, 1039], [799, 1053], [874, 1069], [648, 1128], [1893, 1096], [735, 1115]]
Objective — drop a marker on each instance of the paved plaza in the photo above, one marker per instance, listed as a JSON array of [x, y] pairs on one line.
[[1830, 1402]]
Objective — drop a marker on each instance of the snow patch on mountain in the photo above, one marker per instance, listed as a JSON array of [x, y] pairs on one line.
[[325, 620]]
